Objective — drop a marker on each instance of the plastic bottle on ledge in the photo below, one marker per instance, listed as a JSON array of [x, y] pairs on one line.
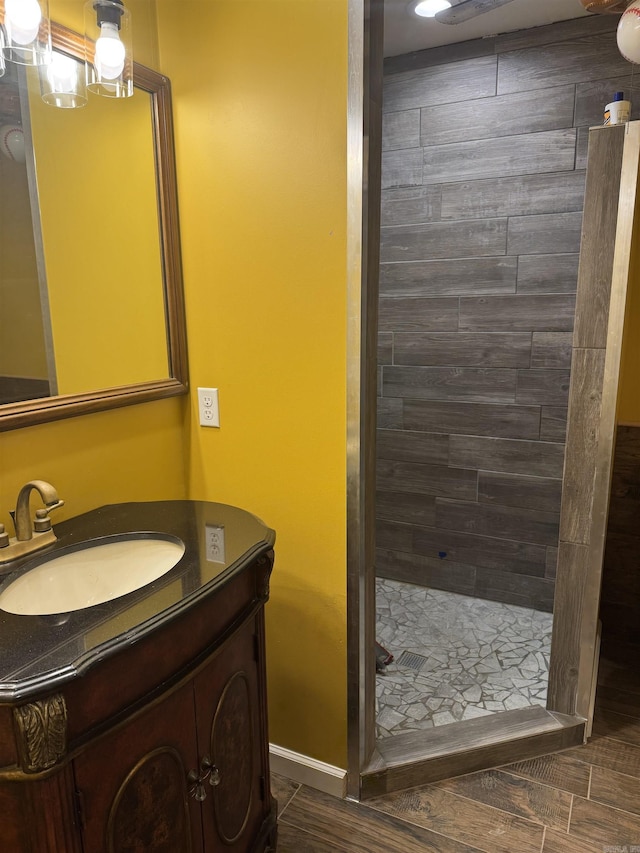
[[618, 111]]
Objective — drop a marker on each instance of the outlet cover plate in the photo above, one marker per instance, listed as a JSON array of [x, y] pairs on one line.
[[208, 408], [214, 545]]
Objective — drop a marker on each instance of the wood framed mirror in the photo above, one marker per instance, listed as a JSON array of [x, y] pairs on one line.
[[108, 324]]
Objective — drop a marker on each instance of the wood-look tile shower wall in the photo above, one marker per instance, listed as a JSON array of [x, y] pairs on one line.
[[484, 152]]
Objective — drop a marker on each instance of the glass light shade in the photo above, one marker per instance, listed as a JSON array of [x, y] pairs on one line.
[[27, 31], [63, 83], [430, 8], [108, 48]]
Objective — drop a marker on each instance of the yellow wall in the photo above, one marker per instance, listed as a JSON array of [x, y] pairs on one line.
[[259, 91], [123, 455]]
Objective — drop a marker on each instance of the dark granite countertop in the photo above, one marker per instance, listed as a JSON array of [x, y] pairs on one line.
[[39, 653]]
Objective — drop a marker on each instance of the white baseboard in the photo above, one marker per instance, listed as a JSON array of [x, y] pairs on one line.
[[307, 771]]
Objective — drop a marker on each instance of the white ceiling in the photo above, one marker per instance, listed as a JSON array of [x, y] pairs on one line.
[[406, 32]]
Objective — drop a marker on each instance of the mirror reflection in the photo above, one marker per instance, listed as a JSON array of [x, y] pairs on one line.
[[24, 328], [95, 173]]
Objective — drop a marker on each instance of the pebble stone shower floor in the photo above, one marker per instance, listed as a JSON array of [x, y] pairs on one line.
[[468, 657]]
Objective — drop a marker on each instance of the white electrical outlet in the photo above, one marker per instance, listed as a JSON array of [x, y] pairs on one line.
[[208, 408], [214, 548]]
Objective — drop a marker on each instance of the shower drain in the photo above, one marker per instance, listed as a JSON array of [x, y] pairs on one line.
[[410, 660]]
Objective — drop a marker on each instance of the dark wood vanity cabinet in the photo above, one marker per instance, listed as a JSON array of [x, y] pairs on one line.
[[233, 745], [131, 787], [161, 744], [189, 772]]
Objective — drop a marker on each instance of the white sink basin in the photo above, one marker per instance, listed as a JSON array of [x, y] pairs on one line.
[[90, 575]]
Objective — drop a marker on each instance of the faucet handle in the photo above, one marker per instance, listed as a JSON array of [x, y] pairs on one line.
[[4, 537], [42, 522]]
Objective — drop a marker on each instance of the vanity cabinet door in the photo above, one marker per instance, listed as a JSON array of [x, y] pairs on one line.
[[133, 793], [231, 726]]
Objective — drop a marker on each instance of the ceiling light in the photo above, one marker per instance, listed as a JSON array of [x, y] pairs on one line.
[[429, 8]]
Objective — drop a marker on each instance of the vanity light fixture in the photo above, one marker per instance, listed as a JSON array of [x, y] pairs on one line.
[[108, 52], [25, 38], [26, 31], [62, 82], [430, 8]]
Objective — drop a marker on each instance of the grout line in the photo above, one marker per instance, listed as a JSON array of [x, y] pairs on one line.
[[575, 112], [544, 837], [570, 812], [590, 779], [282, 810]]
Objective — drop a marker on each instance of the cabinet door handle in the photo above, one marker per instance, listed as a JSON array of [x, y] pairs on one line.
[[210, 771], [197, 789]]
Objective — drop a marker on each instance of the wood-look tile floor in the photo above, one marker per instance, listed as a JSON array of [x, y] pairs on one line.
[[584, 800]]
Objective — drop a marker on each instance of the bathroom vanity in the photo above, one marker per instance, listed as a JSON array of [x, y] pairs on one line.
[[140, 724]]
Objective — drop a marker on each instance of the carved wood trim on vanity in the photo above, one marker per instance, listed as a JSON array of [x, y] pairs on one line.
[[41, 733], [264, 566]]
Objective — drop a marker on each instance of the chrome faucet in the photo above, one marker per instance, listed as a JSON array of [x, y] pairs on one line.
[[30, 538]]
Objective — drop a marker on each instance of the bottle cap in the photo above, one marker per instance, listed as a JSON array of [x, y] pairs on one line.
[[619, 96]]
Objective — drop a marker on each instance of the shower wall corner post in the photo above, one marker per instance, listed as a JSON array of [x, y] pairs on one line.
[[364, 143], [603, 280]]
